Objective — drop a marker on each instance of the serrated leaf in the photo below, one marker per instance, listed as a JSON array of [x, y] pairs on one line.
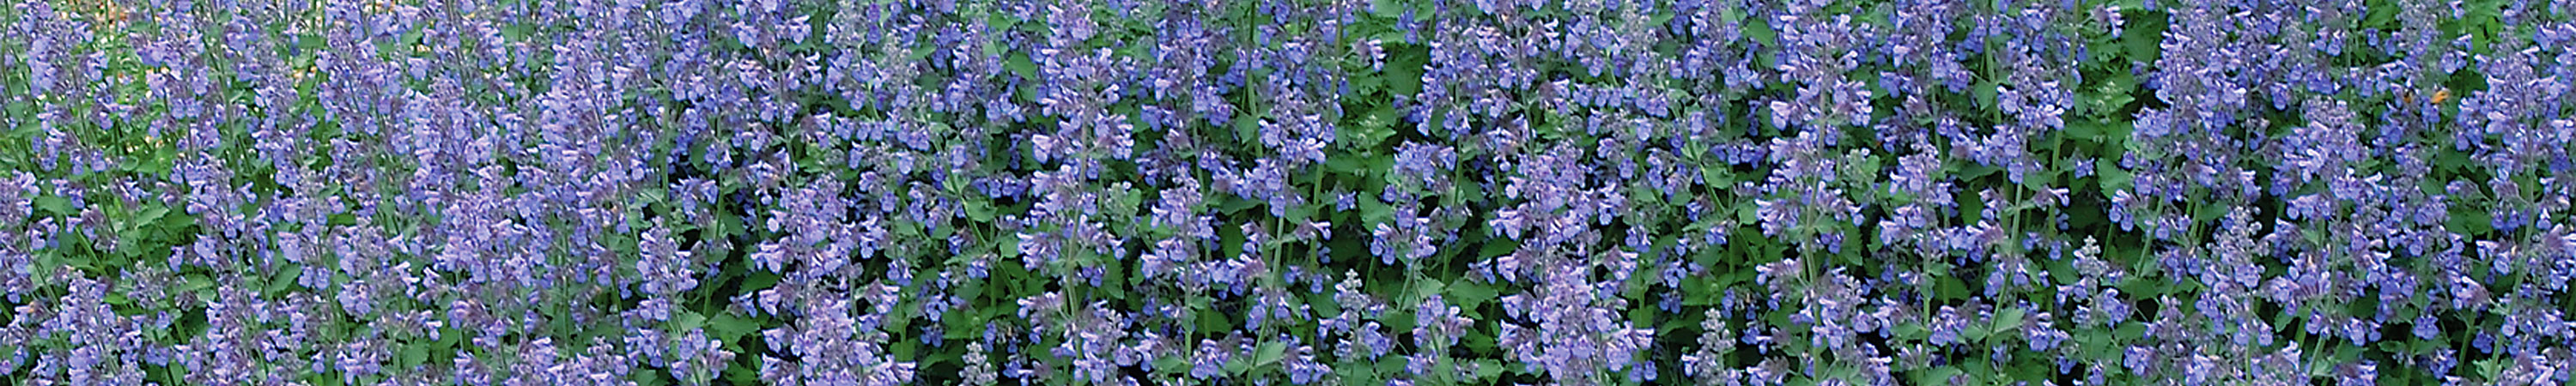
[[687, 320], [1974, 332], [283, 279], [1423, 288], [1912, 331], [1716, 176], [1937, 375], [412, 355], [1269, 353], [2009, 318], [2112, 177], [2471, 222], [727, 327], [1466, 294], [979, 210], [56, 205]]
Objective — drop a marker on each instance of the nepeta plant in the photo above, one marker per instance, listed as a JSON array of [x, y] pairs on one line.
[[1310, 192]]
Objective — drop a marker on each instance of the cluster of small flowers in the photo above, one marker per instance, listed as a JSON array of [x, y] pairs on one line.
[[1398, 192]]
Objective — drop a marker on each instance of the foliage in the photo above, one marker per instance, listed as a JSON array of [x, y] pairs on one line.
[[1396, 192]]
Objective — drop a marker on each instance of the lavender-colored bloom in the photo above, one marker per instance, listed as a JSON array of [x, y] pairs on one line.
[[684, 182]]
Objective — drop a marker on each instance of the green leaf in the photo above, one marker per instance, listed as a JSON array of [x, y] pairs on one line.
[[1404, 67], [1986, 91], [2112, 177], [2143, 36], [1466, 294], [1374, 128], [2009, 318], [1912, 331], [56, 205], [979, 210], [154, 213], [1171, 364], [727, 327], [1975, 332], [2471, 222], [1498, 247], [1008, 246], [1950, 288], [1937, 375], [1269, 353], [1019, 63], [687, 320], [1424, 287], [1386, 8], [284, 278], [412, 355], [746, 375], [1717, 176], [2205, 212], [2039, 180], [1759, 29], [194, 283]]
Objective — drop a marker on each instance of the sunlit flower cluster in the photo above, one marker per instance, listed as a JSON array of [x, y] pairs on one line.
[[1263, 192]]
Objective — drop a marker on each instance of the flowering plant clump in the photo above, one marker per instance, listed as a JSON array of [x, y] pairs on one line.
[[1297, 192]]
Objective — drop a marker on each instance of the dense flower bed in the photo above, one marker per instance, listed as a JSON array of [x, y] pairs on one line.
[[1267, 192]]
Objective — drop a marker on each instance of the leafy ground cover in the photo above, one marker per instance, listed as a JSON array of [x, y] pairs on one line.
[[1300, 192]]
